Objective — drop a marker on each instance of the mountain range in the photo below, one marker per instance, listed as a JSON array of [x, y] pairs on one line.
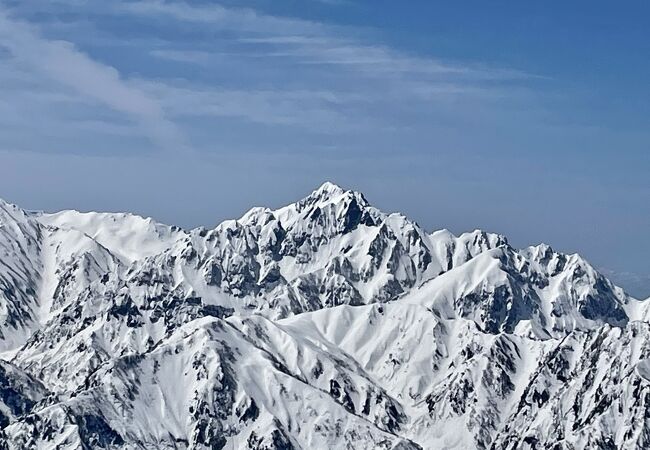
[[324, 324]]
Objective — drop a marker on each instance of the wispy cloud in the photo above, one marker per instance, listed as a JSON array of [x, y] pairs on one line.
[[378, 60], [313, 42], [257, 68], [63, 63], [315, 110], [239, 19]]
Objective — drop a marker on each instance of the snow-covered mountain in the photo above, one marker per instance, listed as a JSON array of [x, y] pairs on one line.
[[323, 324]]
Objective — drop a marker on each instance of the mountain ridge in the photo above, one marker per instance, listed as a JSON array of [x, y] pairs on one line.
[[373, 332]]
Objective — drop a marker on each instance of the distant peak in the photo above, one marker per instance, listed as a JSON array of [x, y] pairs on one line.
[[331, 193], [329, 189]]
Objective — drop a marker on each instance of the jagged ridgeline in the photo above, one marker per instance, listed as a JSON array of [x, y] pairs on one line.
[[325, 324]]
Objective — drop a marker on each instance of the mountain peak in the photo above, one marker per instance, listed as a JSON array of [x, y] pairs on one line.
[[327, 191], [329, 187], [207, 314]]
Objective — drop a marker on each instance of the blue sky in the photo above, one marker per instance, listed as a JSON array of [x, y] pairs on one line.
[[526, 118]]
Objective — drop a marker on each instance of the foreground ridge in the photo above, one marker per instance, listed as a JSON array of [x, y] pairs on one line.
[[326, 323]]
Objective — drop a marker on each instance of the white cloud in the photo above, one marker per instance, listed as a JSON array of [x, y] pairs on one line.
[[63, 63]]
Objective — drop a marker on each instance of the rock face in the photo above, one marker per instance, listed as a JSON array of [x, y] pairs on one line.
[[323, 324]]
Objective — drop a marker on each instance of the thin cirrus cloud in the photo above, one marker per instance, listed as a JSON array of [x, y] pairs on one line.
[[238, 19], [62, 63], [312, 42], [251, 67], [362, 73], [309, 109], [375, 59]]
